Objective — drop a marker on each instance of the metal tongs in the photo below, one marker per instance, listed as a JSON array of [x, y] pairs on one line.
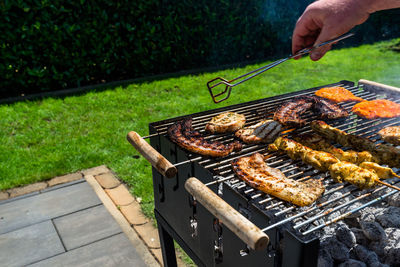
[[228, 84]]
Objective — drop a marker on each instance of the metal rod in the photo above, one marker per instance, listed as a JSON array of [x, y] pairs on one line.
[[378, 199]]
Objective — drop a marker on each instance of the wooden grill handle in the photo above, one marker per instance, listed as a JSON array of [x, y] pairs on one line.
[[379, 86], [157, 160], [231, 218]]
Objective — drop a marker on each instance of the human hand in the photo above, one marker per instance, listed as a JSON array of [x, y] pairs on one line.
[[324, 20]]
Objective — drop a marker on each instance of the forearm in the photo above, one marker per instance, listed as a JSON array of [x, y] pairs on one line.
[[377, 5]]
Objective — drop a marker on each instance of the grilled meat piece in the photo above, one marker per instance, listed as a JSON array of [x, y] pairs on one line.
[[391, 135], [318, 159], [226, 122], [289, 113], [317, 142], [374, 109], [382, 172], [186, 137], [385, 154], [337, 94], [364, 176], [263, 132], [327, 109], [351, 173], [255, 172], [363, 159]]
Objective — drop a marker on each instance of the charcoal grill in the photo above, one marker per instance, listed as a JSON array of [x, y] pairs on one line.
[[203, 226]]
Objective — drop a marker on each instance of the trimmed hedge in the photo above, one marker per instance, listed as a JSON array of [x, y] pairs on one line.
[[50, 45]]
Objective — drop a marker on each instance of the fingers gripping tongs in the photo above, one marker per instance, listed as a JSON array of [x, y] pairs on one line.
[[245, 77]]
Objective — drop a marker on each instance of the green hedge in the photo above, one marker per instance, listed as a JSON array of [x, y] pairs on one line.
[[50, 45]]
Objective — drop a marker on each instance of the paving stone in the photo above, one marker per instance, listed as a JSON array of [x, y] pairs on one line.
[[30, 244], [107, 180], [133, 214], [120, 195], [157, 254], [19, 197], [149, 234], [65, 178], [19, 191], [96, 170], [55, 187], [86, 226], [4, 195], [113, 251], [41, 207]]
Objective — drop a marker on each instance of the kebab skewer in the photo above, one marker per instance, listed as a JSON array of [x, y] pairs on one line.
[[363, 159], [340, 170], [385, 154]]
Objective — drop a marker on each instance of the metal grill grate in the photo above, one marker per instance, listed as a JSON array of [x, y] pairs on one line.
[[320, 214]]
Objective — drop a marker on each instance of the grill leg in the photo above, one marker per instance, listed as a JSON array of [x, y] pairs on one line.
[[167, 247]]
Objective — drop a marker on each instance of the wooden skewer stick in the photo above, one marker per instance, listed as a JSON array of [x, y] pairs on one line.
[[389, 185]]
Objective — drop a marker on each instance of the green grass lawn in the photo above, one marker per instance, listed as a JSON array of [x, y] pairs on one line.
[[43, 139]]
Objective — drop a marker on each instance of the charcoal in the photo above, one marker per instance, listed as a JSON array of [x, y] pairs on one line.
[[352, 207], [367, 256], [333, 215], [392, 256], [394, 200], [352, 222], [378, 247], [328, 232], [352, 263], [393, 234], [337, 249], [390, 217], [392, 248], [373, 231], [324, 259], [345, 235], [361, 239]]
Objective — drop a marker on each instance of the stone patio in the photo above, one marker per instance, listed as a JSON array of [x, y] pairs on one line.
[[73, 220]]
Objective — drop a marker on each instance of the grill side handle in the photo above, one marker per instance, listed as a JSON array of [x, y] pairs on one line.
[[379, 87], [158, 161], [231, 218]]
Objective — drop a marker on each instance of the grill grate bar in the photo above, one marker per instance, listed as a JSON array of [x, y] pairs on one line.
[[329, 211], [289, 219], [376, 200], [268, 104]]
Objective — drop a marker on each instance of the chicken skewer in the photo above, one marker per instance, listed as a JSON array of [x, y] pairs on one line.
[[363, 159], [386, 154], [340, 170]]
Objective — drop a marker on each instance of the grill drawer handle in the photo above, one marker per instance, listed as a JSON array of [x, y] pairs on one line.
[[158, 161], [231, 218]]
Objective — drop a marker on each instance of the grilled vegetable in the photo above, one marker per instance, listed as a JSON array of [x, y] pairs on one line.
[[226, 122], [263, 132], [255, 172], [186, 137], [391, 135]]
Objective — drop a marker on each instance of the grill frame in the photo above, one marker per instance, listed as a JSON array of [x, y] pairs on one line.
[[170, 194]]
